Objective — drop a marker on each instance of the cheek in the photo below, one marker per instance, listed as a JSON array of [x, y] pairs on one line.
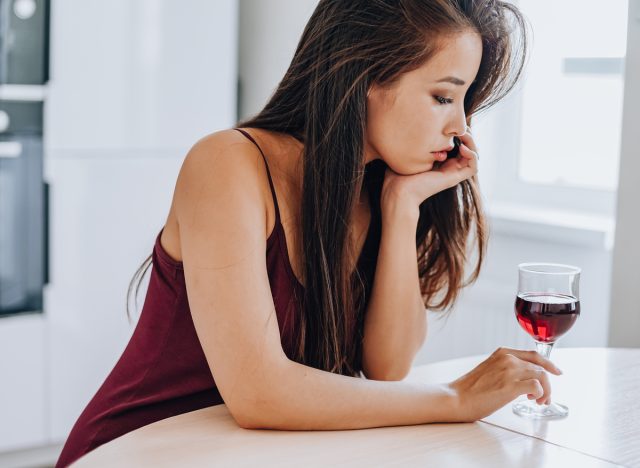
[[401, 135], [403, 156], [379, 119]]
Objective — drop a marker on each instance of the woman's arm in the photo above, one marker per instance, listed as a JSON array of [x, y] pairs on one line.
[[299, 397], [396, 320], [220, 200]]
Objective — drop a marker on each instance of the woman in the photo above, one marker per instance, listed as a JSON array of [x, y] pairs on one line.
[[301, 248]]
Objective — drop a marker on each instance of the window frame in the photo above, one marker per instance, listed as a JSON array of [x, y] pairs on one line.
[[501, 128]]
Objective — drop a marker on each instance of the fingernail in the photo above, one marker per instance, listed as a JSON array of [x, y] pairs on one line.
[[559, 371]]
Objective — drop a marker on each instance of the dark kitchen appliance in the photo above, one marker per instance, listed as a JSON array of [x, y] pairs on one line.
[[24, 68], [24, 42], [23, 202]]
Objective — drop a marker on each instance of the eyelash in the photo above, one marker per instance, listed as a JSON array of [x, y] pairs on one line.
[[441, 100]]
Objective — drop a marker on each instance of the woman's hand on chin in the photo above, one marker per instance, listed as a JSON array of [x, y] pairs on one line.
[[407, 192]]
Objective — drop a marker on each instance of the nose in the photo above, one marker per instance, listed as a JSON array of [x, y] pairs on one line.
[[457, 125]]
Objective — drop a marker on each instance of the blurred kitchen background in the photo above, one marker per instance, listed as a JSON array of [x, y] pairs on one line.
[[100, 101]]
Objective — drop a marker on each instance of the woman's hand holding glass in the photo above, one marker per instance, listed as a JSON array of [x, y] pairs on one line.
[[502, 377]]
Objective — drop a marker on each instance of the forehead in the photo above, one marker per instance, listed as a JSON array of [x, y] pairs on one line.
[[459, 56]]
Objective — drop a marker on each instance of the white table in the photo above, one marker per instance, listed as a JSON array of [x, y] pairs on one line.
[[601, 386]]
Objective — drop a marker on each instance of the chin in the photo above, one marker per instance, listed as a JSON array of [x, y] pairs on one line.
[[418, 168], [411, 167], [426, 167]]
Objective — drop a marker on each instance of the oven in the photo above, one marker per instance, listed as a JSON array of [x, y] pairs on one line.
[[24, 69]]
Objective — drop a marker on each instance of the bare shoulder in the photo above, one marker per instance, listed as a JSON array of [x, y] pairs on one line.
[[218, 167], [224, 150]]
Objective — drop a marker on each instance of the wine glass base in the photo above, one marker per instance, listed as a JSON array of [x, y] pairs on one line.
[[532, 410]]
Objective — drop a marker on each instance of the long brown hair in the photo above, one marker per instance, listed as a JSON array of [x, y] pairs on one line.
[[347, 46]]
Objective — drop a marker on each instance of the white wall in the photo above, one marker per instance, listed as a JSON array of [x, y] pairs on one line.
[[269, 34], [625, 308]]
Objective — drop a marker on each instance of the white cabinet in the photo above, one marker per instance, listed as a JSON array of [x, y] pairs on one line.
[[22, 381], [105, 212], [134, 84], [140, 74]]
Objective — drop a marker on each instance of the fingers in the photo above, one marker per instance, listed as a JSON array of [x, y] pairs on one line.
[[531, 356], [528, 366], [461, 169], [467, 163], [535, 372], [530, 387], [470, 156], [467, 139], [516, 370]]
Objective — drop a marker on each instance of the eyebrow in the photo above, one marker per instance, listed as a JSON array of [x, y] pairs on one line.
[[451, 79]]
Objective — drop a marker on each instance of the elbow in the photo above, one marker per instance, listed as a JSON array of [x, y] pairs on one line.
[[252, 416], [244, 418], [263, 405], [248, 422], [276, 417]]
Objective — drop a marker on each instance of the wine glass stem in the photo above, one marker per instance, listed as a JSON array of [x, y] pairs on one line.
[[544, 349]]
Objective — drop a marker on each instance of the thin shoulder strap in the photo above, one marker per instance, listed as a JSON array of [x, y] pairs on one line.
[[273, 191]]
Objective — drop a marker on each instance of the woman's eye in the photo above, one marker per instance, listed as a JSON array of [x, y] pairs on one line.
[[442, 100]]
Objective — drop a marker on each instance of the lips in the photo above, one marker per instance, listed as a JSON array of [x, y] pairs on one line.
[[444, 150]]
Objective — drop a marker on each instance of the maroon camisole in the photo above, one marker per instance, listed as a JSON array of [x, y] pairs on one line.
[[163, 371]]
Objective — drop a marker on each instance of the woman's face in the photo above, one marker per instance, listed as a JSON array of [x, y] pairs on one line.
[[419, 114]]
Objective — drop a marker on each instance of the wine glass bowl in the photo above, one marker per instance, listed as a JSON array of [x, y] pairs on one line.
[[546, 307], [545, 316]]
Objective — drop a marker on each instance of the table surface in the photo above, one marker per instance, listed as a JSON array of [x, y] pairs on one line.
[[601, 387]]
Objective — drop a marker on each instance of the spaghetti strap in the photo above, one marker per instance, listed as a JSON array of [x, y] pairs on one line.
[[273, 191]]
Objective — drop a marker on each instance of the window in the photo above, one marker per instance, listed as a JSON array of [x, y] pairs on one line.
[[572, 97], [561, 149]]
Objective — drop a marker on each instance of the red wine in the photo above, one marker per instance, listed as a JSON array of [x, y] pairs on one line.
[[546, 316]]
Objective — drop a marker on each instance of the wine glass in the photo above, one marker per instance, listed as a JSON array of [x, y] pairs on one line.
[[547, 306]]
